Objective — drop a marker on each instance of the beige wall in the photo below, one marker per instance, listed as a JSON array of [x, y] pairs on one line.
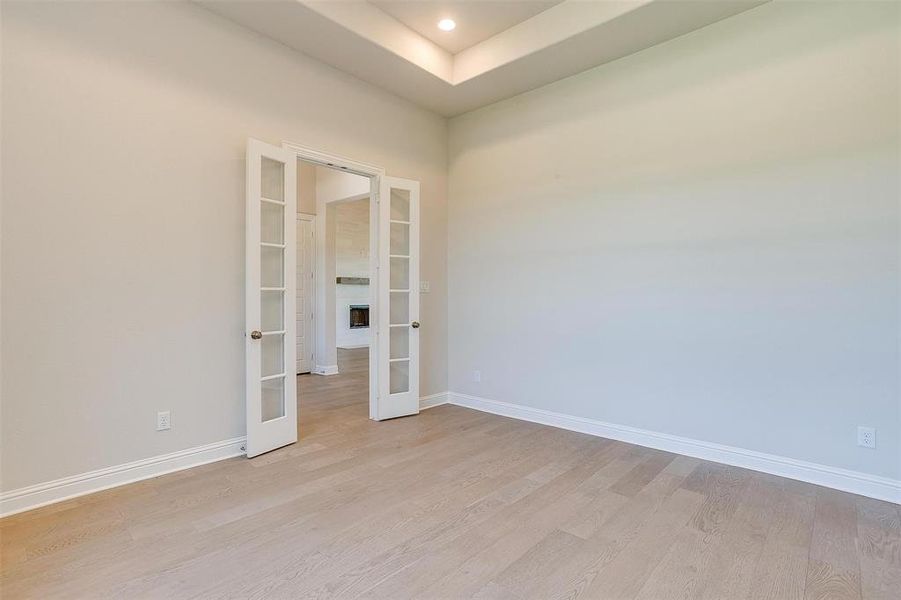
[[306, 187], [351, 260], [123, 136], [332, 186], [694, 239], [352, 238], [700, 239]]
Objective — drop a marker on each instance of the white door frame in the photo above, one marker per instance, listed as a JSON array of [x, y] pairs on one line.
[[302, 216], [375, 175]]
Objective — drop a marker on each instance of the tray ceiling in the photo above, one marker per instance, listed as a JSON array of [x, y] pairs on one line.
[[477, 20], [540, 42]]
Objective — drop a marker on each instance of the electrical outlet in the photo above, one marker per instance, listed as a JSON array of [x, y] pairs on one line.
[[477, 376], [866, 437], [424, 287], [162, 421]]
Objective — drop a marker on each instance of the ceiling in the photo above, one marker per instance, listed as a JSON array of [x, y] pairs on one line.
[[538, 42], [477, 20]]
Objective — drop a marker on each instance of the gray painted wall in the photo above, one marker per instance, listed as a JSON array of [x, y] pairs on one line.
[[123, 139], [701, 239]]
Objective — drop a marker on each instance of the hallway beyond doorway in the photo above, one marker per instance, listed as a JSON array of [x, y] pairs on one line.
[[344, 396]]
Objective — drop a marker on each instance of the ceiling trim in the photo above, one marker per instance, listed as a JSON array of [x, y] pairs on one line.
[[360, 39], [547, 28], [373, 24]]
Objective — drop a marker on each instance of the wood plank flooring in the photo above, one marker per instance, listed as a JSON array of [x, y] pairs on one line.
[[453, 504]]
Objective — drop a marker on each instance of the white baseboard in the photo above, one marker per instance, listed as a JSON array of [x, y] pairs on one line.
[[855, 482], [325, 370], [432, 400], [873, 486], [41, 494]]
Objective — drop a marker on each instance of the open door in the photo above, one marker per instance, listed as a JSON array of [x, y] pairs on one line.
[[270, 297], [398, 290]]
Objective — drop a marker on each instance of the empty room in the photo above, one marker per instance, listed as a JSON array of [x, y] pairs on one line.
[[495, 299]]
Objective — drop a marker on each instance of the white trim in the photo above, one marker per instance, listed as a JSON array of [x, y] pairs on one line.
[[333, 160], [325, 370], [310, 218], [433, 400], [375, 186], [352, 346], [50, 492], [873, 486]]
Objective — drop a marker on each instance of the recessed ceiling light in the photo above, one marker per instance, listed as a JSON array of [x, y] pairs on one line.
[[446, 24]]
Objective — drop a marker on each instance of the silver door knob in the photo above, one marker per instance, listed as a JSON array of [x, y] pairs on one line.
[[255, 335], [415, 324]]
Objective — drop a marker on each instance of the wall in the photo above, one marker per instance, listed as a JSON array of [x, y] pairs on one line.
[[701, 239], [306, 187], [351, 260], [332, 187], [123, 264]]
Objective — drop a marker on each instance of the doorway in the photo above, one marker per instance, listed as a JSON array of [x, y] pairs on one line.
[[337, 381], [276, 194]]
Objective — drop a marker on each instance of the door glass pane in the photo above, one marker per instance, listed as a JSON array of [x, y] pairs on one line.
[[399, 377], [272, 311], [400, 238], [272, 355], [272, 185], [272, 223], [400, 205], [272, 267], [273, 399], [399, 311], [400, 274], [400, 342]]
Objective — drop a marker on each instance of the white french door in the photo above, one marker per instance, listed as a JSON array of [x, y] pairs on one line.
[[271, 396], [398, 295]]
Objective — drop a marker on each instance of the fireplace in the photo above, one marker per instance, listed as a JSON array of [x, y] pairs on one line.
[[359, 316]]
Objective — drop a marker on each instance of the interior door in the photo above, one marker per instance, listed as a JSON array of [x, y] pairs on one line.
[[270, 297], [398, 289], [304, 320]]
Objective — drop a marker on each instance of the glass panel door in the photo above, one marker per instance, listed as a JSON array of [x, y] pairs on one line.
[[399, 296], [270, 299]]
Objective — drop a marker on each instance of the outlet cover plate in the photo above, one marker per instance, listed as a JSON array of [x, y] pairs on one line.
[[163, 421], [866, 437]]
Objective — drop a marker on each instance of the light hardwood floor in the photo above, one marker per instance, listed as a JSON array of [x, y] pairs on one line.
[[453, 504]]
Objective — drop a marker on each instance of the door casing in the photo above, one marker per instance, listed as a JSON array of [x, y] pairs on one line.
[[311, 219]]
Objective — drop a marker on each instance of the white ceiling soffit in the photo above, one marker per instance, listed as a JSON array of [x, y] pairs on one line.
[[478, 19], [564, 39]]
